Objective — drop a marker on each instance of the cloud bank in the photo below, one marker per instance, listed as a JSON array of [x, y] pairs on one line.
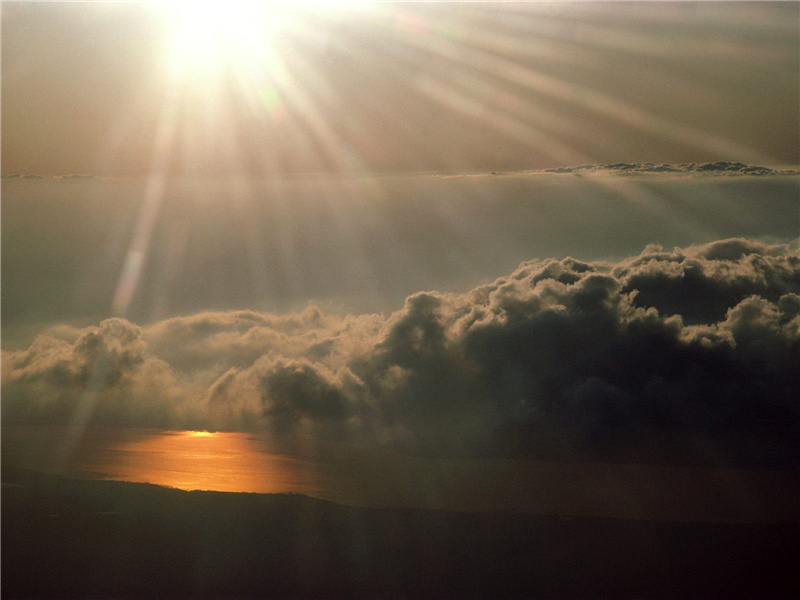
[[673, 355], [710, 168]]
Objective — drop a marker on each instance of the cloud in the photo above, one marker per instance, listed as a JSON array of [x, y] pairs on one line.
[[719, 168], [710, 168], [48, 176], [701, 283], [674, 356], [236, 338], [105, 376]]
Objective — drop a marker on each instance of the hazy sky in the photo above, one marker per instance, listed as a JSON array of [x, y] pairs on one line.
[[73, 247], [123, 89], [562, 231]]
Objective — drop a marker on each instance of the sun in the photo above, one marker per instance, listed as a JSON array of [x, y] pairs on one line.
[[196, 434], [209, 37]]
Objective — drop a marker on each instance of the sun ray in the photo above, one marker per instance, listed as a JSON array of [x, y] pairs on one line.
[[485, 60]]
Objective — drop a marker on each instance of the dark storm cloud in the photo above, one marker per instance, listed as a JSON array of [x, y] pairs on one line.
[[682, 355], [709, 168]]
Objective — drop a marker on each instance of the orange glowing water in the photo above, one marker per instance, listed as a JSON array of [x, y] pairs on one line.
[[199, 460], [241, 462], [189, 460]]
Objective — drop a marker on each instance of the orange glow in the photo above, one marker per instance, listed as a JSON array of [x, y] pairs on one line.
[[199, 433], [201, 460]]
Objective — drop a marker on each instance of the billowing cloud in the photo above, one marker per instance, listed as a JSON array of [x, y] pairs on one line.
[[682, 355], [701, 283], [710, 168], [105, 376], [236, 338]]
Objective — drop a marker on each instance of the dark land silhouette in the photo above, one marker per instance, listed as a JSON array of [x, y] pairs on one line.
[[67, 538]]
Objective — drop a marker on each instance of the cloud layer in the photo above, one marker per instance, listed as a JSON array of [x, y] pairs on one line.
[[709, 168], [682, 355]]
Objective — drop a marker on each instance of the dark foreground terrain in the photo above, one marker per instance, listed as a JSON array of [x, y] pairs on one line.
[[101, 539]]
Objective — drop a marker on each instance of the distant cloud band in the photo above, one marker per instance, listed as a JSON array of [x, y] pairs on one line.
[[709, 168]]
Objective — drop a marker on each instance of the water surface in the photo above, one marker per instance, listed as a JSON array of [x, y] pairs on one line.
[[361, 476]]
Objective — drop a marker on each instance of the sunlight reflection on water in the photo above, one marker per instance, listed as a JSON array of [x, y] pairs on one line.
[[349, 474], [228, 462], [231, 462]]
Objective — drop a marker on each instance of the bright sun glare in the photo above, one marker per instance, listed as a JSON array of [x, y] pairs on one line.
[[209, 35], [200, 434]]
